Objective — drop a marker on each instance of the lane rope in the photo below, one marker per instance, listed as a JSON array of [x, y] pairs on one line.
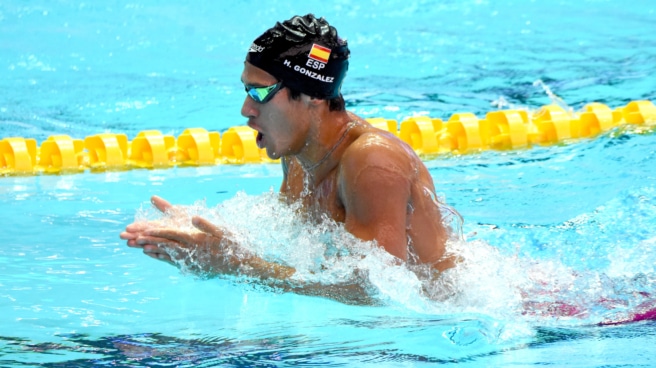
[[429, 137]]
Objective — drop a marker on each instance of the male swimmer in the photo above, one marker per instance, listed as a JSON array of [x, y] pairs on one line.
[[334, 163]]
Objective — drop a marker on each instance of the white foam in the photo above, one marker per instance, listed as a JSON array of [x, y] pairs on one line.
[[505, 287]]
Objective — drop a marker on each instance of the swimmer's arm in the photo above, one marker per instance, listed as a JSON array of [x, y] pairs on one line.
[[208, 252], [160, 243], [226, 257], [375, 191]]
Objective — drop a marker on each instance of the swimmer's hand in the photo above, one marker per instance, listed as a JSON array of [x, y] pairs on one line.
[[202, 251], [206, 250], [134, 230]]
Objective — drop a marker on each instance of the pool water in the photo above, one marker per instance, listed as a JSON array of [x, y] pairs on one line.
[[560, 240]]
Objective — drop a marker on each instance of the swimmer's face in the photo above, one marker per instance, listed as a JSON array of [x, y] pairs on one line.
[[280, 128]]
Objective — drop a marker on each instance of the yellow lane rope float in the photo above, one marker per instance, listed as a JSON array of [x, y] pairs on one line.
[[461, 133]]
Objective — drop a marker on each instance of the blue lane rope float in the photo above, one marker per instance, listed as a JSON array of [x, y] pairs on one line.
[[429, 137]]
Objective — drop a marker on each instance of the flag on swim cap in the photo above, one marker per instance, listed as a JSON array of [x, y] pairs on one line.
[[305, 53]]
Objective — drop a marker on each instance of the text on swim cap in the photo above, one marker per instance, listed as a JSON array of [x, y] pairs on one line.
[[315, 64], [310, 73]]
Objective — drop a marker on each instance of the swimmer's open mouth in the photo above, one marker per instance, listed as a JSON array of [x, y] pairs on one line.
[[258, 140]]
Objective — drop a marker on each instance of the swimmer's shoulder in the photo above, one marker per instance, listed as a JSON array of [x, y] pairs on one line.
[[374, 141], [376, 147]]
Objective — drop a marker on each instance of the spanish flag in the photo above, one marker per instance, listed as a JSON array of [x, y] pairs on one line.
[[319, 53]]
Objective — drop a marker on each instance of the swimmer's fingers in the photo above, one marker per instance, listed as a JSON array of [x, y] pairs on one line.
[[184, 238], [135, 230], [141, 226], [177, 255], [146, 240], [160, 203], [131, 238], [128, 235], [158, 253], [167, 208], [207, 227]]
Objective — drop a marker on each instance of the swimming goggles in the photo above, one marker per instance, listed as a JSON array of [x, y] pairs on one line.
[[263, 94]]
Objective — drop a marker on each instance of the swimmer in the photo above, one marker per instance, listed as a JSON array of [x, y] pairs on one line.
[[336, 164]]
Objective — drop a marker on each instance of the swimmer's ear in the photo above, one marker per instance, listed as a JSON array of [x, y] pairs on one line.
[[309, 100]]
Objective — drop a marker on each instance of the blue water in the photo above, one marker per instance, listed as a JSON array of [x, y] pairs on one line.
[[571, 223]]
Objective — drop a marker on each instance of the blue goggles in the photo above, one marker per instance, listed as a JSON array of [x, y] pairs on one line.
[[263, 94]]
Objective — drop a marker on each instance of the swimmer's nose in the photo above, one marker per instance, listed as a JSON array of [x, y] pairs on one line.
[[249, 108]]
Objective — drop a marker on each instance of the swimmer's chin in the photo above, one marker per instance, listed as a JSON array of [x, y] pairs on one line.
[[260, 141]]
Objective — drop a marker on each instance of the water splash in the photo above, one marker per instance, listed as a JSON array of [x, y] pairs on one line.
[[502, 103], [555, 99], [509, 287]]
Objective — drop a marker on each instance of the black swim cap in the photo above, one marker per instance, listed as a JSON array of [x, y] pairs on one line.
[[305, 53]]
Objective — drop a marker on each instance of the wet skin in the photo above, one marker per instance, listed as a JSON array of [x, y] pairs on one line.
[[338, 166]]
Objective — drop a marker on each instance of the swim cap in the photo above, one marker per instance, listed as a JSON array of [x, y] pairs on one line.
[[305, 53]]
